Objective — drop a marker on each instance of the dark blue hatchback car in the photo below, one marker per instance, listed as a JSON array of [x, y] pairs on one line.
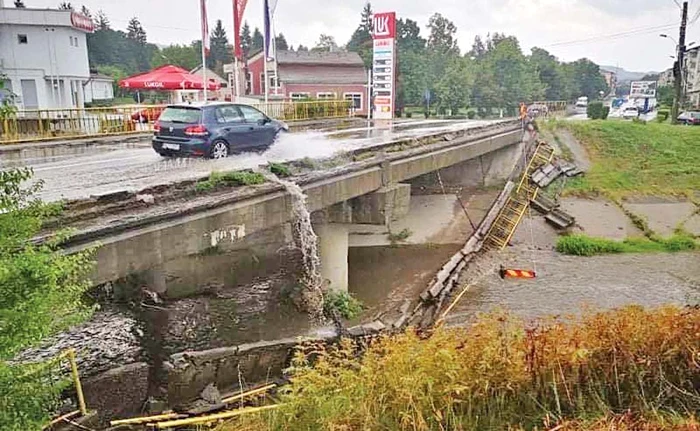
[[213, 130]]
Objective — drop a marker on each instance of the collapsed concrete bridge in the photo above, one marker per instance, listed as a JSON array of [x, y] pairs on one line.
[[146, 237]]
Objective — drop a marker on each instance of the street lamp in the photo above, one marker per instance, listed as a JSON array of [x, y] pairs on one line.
[[669, 37]]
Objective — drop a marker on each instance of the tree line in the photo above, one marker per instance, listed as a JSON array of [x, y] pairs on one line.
[[494, 74]]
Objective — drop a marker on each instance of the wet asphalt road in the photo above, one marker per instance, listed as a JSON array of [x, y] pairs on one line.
[[133, 166]]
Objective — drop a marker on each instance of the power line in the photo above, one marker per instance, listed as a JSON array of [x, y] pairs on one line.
[[628, 33]]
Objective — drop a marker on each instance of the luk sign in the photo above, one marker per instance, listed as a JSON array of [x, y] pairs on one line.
[[384, 35]]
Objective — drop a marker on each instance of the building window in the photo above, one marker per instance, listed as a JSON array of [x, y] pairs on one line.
[[355, 98], [248, 83], [22, 39], [299, 96], [71, 40], [326, 96], [76, 41]]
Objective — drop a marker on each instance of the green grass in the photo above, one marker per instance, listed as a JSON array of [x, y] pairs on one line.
[[637, 159], [231, 179], [583, 245]]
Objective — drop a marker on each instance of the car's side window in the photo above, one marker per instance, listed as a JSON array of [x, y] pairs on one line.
[[251, 114], [228, 114]]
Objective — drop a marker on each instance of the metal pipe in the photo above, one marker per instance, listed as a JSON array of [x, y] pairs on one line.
[[70, 354], [214, 417], [61, 419], [250, 393], [147, 419]]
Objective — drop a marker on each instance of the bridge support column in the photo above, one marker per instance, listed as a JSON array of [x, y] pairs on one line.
[[333, 252]]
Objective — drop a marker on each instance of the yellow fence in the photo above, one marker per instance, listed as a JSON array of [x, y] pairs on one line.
[[55, 124], [308, 110], [554, 107]]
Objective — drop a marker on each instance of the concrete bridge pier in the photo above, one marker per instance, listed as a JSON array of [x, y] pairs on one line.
[[333, 225], [333, 242]]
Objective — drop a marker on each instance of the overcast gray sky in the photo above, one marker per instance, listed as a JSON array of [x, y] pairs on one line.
[[570, 29]]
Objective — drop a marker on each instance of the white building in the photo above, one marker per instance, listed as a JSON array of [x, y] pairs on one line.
[[692, 77], [98, 87], [43, 53]]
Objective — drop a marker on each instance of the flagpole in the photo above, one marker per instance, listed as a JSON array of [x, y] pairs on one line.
[[266, 36], [236, 79], [204, 48]]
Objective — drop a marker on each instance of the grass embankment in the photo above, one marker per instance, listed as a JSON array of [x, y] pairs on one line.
[[583, 245], [633, 369], [637, 159]]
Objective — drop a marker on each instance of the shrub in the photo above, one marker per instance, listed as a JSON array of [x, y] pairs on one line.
[[498, 374], [280, 169], [663, 115], [346, 305], [471, 114], [595, 110], [605, 113]]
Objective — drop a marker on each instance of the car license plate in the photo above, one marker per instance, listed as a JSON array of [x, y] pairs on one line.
[[171, 146]]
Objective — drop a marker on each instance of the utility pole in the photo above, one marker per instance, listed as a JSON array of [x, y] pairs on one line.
[[678, 102]]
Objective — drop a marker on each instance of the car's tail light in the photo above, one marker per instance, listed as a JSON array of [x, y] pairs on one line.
[[198, 130], [156, 126]]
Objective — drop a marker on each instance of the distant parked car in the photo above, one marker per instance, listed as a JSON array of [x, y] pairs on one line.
[[630, 112], [213, 130], [148, 115], [690, 118]]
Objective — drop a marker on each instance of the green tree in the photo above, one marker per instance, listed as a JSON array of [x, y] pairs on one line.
[[408, 35], [281, 43], [220, 52], [102, 21], [412, 76], [442, 36], [361, 40], [589, 81], [454, 87], [19, 4], [135, 31], [86, 12], [478, 48], [302, 48], [505, 78], [186, 56], [550, 74], [41, 295], [258, 41], [65, 6], [246, 40], [326, 43]]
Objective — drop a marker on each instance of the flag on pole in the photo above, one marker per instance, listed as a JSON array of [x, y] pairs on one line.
[[205, 26], [238, 9], [268, 31]]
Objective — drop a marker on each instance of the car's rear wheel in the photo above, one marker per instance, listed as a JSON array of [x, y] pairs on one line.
[[219, 150]]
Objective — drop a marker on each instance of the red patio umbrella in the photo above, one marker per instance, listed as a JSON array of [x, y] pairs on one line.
[[167, 77]]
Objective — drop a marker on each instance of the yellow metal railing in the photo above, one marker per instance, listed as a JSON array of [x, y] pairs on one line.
[[554, 107], [52, 124], [56, 124], [306, 110]]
